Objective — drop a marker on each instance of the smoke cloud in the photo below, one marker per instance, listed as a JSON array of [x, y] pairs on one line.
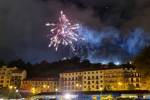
[[23, 33], [110, 45]]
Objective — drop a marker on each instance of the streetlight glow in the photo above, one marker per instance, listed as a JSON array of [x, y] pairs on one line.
[[44, 86], [17, 91], [56, 89], [101, 89], [10, 87], [33, 90], [67, 96], [119, 83], [77, 85]]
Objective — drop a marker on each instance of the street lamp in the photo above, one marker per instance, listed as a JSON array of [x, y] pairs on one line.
[[80, 85], [33, 90], [44, 86], [77, 85], [47, 86], [56, 89], [120, 84], [101, 89], [67, 96], [10, 87], [17, 91]]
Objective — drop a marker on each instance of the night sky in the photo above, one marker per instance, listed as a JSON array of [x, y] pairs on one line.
[[121, 26]]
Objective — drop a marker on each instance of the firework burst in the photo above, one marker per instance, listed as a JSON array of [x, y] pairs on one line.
[[63, 33]]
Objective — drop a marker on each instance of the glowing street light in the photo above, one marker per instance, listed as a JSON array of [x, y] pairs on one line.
[[77, 85], [119, 83], [100, 88], [56, 90], [67, 96], [17, 91], [33, 90], [15, 87], [80, 85], [130, 62], [10, 87], [44, 86], [47, 86]]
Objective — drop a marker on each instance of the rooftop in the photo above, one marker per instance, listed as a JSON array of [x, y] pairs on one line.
[[103, 67]]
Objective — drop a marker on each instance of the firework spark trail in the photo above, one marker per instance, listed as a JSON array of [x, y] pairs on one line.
[[63, 33]]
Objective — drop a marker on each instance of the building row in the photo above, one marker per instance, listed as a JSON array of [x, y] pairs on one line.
[[100, 79], [11, 76]]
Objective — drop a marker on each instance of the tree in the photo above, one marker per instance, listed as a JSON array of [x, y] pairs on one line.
[[142, 61], [18, 63], [2, 63]]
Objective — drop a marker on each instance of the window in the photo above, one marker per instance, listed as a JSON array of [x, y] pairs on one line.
[[96, 82], [92, 77], [76, 78], [65, 79], [97, 87], [131, 79], [137, 80], [137, 85], [96, 77]]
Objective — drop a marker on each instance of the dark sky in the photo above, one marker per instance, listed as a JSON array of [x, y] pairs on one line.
[[22, 23]]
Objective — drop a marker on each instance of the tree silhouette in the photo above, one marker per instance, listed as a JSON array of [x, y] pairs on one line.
[[142, 61]]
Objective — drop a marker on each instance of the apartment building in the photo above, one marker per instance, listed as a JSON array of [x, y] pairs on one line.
[[117, 78], [11, 76], [38, 85]]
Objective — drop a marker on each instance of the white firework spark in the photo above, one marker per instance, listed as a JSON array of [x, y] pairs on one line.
[[63, 33]]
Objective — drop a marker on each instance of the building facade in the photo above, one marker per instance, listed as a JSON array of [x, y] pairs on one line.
[[9, 76], [38, 85], [17, 76], [111, 79], [133, 80]]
